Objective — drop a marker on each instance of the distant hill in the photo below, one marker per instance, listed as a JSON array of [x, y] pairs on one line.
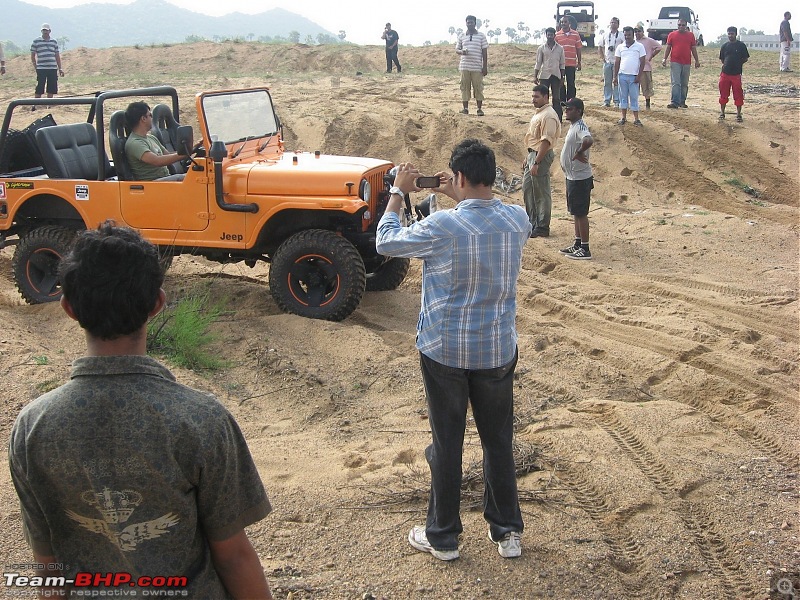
[[144, 22]]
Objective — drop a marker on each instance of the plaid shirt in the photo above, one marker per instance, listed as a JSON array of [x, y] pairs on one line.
[[471, 256]]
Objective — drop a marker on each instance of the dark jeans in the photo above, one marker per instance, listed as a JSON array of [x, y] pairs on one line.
[[391, 57], [491, 393], [554, 83], [569, 90]]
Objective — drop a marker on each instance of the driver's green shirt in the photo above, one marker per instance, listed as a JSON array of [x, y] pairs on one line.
[[135, 148]]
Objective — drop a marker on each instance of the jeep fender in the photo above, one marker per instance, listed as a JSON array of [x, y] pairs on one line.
[[45, 206], [290, 216]]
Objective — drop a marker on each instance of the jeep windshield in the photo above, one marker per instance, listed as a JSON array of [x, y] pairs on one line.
[[240, 116]]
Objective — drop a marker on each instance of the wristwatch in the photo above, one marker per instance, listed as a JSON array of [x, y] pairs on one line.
[[396, 190]]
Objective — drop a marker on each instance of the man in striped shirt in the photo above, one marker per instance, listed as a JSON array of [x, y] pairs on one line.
[[47, 62], [570, 40], [467, 339], [473, 47]]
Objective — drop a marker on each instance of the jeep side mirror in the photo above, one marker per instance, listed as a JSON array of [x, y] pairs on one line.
[[218, 151], [185, 137]]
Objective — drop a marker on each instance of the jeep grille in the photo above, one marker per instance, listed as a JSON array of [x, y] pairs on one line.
[[375, 179]]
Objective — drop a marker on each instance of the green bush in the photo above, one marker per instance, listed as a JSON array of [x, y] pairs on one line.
[[182, 332]]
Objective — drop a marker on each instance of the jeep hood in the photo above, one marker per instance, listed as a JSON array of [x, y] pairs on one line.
[[306, 174]]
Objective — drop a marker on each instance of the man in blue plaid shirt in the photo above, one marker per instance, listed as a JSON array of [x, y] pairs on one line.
[[467, 339]]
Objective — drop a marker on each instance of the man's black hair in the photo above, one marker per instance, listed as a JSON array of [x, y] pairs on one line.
[[134, 114], [542, 89], [470, 18], [475, 161], [733, 29], [549, 30], [111, 279]]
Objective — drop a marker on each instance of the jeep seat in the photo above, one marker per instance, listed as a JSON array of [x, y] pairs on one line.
[[117, 136], [165, 128], [70, 152]]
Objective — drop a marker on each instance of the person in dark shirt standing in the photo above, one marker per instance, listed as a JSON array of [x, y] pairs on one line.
[[391, 37], [785, 36], [122, 469], [732, 55]]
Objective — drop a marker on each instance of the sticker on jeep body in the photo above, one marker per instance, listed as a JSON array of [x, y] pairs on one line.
[[20, 185], [2, 190], [81, 192]]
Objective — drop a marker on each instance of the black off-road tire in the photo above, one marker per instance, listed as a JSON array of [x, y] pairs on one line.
[[389, 275], [317, 274], [36, 260], [700, 41]]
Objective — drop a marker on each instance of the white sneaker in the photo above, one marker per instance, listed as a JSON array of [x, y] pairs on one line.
[[419, 540], [509, 546]]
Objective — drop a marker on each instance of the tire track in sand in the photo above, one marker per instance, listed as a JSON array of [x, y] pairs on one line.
[[702, 527]]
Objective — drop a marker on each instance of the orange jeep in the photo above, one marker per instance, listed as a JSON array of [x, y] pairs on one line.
[[244, 197]]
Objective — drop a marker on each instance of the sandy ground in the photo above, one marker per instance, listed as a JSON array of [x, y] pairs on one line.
[[657, 387]]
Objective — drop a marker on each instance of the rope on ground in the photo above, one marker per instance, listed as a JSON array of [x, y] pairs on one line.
[[773, 89], [507, 183]]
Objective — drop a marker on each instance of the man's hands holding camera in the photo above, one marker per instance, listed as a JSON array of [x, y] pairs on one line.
[[406, 179], [409, 179]]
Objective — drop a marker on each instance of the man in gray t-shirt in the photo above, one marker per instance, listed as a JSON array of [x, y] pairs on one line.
[[123, 470], [578, 171]]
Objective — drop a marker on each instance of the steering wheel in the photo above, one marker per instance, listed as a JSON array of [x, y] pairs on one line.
[[198, 150]]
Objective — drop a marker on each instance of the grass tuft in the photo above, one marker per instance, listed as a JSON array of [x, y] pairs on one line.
[[182, 333]]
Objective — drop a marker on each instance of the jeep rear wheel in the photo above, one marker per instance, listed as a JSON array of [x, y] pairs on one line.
[[36, 261], [388, 276], [317, 274]]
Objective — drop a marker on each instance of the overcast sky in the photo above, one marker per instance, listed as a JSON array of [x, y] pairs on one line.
[[417, 21]]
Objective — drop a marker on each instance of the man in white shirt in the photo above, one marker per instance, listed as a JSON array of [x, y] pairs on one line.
[[628, 66], [611, 40]]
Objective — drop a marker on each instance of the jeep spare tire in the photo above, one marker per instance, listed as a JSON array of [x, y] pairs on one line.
[[389, 275], [317, 274], [36, 261]]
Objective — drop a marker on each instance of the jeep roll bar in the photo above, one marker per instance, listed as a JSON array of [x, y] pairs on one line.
[[95, 104]]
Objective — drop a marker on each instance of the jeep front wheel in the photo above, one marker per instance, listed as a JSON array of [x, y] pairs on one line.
[[388, 276], [317, 274], [36, 261]]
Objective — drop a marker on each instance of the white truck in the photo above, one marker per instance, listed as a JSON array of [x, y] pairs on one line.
[[667, 22]]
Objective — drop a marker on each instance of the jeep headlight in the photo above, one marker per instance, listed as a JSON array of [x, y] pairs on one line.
[[365, 190]]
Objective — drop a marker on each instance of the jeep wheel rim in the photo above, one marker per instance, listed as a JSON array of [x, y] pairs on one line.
[[313, 280], [42, 271]]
